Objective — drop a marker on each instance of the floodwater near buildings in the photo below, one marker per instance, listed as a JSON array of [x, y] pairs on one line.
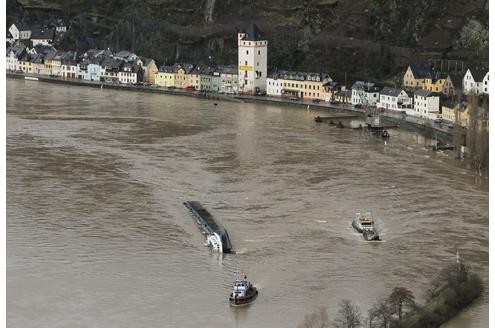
[[97, 234]]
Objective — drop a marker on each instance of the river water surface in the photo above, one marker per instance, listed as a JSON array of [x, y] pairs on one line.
[[97, 235]]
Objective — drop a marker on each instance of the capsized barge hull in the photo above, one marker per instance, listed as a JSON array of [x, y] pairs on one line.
[[210, 227]]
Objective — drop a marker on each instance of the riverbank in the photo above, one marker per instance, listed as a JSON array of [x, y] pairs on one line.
[[421, 125]]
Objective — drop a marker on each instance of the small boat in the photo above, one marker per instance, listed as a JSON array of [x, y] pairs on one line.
[[362, 221], [243, 293], [318, 119], [370, 234], [385, 134], [365, 225]]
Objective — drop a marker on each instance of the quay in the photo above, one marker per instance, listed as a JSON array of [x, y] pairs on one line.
[[419, 125]]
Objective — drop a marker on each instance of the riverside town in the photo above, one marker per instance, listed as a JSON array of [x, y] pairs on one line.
[[261, 163], [426, 92]]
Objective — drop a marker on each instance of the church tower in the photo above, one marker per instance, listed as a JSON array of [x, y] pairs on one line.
[[252, 60]]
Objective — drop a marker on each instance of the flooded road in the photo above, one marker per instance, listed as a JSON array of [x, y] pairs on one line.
[[97, 235]]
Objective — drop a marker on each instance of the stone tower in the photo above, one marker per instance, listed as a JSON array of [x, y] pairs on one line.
[[252, 60]]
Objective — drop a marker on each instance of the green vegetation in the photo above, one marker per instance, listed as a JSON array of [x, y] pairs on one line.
[[455, 287], [368, 39]]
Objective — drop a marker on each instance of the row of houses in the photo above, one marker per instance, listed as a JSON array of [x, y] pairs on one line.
[[423, 76], [421, 95], [93, 65], [205, 77]]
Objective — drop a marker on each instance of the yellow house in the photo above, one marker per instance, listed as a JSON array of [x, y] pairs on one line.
[[313, 86], [303, 85], [53, 64], [25, 64], [292, 87], [435, 82], [165, 77], [456, 113], [182, 75], [415, 76]]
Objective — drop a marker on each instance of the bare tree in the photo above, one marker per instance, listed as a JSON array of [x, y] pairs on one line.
[[317, 319], [348, 316], [380, 314], [400, 298]]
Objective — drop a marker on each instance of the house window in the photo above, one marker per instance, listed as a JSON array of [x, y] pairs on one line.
[[247, 52], [259, 52], [245, 62]]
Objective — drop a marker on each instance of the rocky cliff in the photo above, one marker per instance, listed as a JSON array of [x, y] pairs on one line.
[[355, 38]]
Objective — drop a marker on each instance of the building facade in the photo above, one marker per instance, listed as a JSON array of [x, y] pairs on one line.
[[426, 104], [475, 82], [364, 94], [252, 60], [394, 99]]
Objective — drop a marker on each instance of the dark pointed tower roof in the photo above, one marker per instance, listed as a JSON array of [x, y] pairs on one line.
[[253, 33]]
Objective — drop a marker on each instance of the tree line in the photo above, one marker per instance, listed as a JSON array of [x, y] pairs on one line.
[[454, 288]]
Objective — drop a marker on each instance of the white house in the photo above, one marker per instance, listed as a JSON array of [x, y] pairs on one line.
[[43, 36], [475, 81], [364, 93], [128, 73], [13, 53], [275, 84], [20, 31], [89, 69], [68, 61], [229, 81], [252, 62], [394, 99], [426, 104]]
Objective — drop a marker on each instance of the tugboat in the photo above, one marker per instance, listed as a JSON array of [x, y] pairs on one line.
[[365, 225], [243, 293], [362, 222], [370, 234]]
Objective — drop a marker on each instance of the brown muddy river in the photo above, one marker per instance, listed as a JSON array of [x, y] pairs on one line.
[[97, 235]]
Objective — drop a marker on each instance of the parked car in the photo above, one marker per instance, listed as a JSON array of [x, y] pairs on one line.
[[294, 98], [437, 120], [450, 126], [315, 101], [19, 71]]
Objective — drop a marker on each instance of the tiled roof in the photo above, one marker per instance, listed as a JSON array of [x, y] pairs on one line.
[[422, 93], [365, 86], [43, 33], [166, 69], [252, 33], [390, 91], [478, 74], [420, 70]]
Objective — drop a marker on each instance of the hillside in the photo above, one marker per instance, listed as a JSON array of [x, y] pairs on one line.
[[363, 38]]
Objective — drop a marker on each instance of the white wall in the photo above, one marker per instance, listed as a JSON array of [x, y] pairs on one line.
[[14, 31], [427, 107], [252, 55], [12, 62], [274, 87]]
